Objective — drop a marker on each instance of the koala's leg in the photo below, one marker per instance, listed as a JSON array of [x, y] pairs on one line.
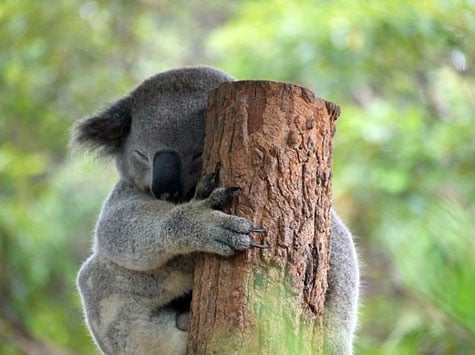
[[139, 331], [341, 299]]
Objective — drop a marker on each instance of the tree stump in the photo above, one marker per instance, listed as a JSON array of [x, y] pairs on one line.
[[274, 140]]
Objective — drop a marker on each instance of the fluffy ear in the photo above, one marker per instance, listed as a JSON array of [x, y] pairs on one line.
[[106, 131]]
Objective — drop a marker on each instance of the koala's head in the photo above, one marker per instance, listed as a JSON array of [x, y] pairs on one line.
[[156, 132]]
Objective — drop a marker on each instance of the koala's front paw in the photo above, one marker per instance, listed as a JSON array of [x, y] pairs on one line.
[[199, 225], [227, 233]]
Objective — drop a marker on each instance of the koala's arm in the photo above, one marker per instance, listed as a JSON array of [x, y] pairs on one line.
[[341, 299], [139, 232]]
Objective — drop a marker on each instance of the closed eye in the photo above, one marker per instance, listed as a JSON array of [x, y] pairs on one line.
[[141, 155]]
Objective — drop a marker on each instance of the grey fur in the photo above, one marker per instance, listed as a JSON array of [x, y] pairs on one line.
[[341, 299], [141, 262]]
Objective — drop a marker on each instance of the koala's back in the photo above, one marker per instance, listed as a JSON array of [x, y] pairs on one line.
[[116, 299]]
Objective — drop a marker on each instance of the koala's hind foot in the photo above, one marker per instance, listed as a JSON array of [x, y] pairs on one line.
[[137, 331], [183, 321], [182, 306]]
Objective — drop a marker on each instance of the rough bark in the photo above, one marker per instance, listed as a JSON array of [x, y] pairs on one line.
[[274, 140]]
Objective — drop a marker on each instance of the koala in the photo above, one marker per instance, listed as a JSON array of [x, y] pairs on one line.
[[136, 286]]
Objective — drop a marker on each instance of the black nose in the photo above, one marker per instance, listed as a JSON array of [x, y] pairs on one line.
[[166, 180]]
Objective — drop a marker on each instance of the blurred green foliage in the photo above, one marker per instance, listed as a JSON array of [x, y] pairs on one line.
[[403, 73]]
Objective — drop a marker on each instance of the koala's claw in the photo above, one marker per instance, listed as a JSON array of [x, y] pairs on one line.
[[206, 185], [239, 239], [255, 245], [257, 230], [233, 188], [240, 244], [229, 193], [221, 196]]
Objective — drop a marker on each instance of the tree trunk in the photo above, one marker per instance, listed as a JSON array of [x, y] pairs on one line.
[[274, 140]]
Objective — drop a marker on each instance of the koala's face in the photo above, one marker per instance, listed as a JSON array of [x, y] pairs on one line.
[[162, 154], [156, 132]]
